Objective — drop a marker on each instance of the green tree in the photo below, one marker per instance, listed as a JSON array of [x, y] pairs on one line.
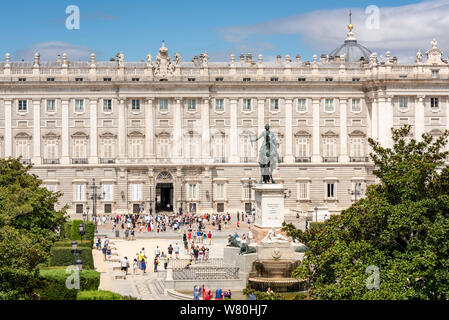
[[401, 227], [29, 225]]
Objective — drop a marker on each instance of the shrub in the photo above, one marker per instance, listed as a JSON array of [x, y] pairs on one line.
[[302, 249], [263, 295], [54, 287], [89, 229], [62, 256], [98, 295], [315, 225]]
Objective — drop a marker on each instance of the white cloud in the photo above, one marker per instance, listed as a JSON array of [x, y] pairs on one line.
[[50, 50], [402, 29]]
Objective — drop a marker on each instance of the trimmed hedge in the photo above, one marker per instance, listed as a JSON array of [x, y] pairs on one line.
[[90, 230], [101, 295], [315, 225], [54, 287], [62, 256]]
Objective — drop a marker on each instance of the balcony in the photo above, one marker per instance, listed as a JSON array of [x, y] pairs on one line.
[[358, 159], [80, 161], [303, 159], [220, 160], [50, 161], [25, 162], [107, 161], [248, 160], [330, 159]]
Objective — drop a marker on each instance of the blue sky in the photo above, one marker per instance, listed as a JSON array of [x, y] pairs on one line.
[[217, 27]]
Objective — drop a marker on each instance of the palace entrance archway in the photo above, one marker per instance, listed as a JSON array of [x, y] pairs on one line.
[[164, 192]]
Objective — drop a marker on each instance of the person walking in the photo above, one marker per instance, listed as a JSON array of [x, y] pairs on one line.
[[209, 237], [170, 251], [143, 265], [135, 265], [157, 252], [166, 259], [125, 265], [176, 251], [156, 262]]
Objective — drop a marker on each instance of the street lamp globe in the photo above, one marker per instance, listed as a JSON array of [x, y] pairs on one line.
[[74, 245], [81, 228], [79, 264]]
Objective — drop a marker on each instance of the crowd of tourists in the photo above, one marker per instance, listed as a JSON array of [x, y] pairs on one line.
[[207, 294]]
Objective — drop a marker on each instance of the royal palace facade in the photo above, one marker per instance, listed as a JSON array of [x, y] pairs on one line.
[[164, 133]]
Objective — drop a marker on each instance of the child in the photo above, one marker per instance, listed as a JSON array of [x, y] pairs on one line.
[[135, 266]]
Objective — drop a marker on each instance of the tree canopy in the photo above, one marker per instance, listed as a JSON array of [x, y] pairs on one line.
[[400, 229], [28, 228]]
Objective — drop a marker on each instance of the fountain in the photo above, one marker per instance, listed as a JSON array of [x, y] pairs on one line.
[[275, 274]]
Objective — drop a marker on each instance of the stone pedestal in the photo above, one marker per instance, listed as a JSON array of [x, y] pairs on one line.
[[269, 210]]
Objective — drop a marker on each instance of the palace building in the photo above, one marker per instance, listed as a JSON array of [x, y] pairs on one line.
[[164, 133]]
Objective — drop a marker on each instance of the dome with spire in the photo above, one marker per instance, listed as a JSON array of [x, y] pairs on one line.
[[352, 51]]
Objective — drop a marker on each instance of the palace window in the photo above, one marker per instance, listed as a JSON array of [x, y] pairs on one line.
[[80, 192], [79, 148], [163, 147], [246, 79], [329, 105], [51, 187], [163, 105], [330, 190], [357, 149], [435, 74], [107, 151], [218, 79], [274, 104], [302, 105], [192, 145], [303, 190], [107, 105], [51, 79], [51, 105], [218, 149], [246, 105], [274, 79], [356, 79], [107, 191], [434, 104], [191, 79], [192, 190], [23, 148], [403, 103], [220, 191], [329, 79], [356, 105], [219, 105], [23, 106], [79, 105], [79, 79], [136, 192], [302, 147], [330, 147], [51, 149], [301, 79], [191, 104], [135, 105], [135, 79], [136, 148], [107, 79]]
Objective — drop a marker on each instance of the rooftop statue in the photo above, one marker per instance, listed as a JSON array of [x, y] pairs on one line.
[[268, 155]]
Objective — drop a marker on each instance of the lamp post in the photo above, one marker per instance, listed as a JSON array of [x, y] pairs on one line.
[[316, 213], [81, 232], [94, 196], [250, 185], [358, 191]]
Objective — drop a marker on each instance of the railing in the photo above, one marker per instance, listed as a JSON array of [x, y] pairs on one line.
[[80, 161], [330, 159], [25, 162], [248, 160], [358, 159], [50, 161], [107, 160], [220, 160], [203, 270], [303, 159]]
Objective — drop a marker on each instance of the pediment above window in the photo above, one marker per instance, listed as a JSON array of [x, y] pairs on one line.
[[23, 135], [136, 134], [108, 135], [302, 133], [436, 133], [163, 134], [330, 134], [80, 134], [357, 133], [51, 136]]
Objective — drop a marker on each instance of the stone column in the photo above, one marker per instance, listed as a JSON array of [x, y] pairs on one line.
[[316, 155], [288, 158], [93, 158], [260, 120], [177, 129], [390, 110], [149, 129], [65, 159], [419, 117], [234, 135], [205, 130], [36, 157], [382, 121], [343, 131], [121, 128], [374, 119], [8, 128]]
